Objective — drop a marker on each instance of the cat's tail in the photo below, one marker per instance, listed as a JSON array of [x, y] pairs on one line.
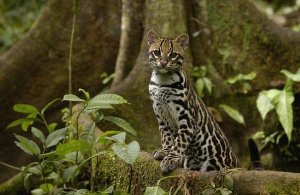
[[254, 156]]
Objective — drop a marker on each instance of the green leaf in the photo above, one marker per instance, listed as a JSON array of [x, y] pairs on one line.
[[225, 191], [54, 137], [264, 104], [73, 156], [121, 123], [234, 114], [102, 138], [72, 146], [27, 145], [208, 84], [86, 94], [27, 181], [68, 172], [26, 124], [283, 106], [200, 87], [25, 108], [108, 190], [19, 122], [293, 77], [108, 99], [241, 77], [88, 134], [155, 191], [38, 191], [38, 134], [228, 182], [72, 98], [127, 153], [48, 105], [208, 191], [46, 187], [51, 127], [97, 106], [120, 138]]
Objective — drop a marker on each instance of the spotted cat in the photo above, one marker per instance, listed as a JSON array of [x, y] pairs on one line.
[[190, 136]]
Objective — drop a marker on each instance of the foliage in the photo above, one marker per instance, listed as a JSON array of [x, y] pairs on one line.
[[16, 17], [65, 156], [203, 84], [281, 101], [242, 80], [225, 188]]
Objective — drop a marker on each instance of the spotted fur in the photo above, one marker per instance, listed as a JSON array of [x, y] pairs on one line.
[[190, 136]]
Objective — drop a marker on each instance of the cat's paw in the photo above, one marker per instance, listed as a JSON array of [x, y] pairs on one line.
[[170, 163], [159, 154]]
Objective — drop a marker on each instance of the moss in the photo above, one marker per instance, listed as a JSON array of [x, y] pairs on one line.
[[282, 188]]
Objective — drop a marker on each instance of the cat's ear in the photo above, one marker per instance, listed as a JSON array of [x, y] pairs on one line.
[[152, 36], [183, 40]]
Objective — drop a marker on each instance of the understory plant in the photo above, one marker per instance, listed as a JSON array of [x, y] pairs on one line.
[[66, 158], [282, 102]]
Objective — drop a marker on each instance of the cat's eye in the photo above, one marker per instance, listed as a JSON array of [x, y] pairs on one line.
[[173, 55], [156, 53]]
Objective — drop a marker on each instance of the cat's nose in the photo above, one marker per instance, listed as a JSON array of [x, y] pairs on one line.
[[163, 62]]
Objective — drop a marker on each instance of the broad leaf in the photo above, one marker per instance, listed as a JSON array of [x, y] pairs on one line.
[[19, 122], [120, 138], [121, 123], [102, 138], [54, 137], [108, 99], [264, 104], [293, 77], [38, 134], [27, 145], [51, 127], [200, 87], [25, 108], [26, 124], [48, 105], [68, 172], [72, 98], [72, 146], [46, 187], [208, 84], [128, 153], [283, 106], [155, 191], [97, 106], [234, 114], [88, 134]]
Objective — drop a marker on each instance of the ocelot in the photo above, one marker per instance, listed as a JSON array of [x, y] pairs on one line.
[[190, 136]]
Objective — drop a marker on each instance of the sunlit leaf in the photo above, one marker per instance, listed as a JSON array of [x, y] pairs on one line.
[[264, 104], [128, 153], [200, 87], [51, 127], [25, 108], [121, 123], [283, 106], [208, 84], [241, 77], [234, 114], [102, 138], [72, 98], [293, 77], [27, 123], [19, 122], [27, 145], [46, 187], [108, 99], [54, 137], [155, 191], [72, 146], [38, 134], [120, 137]]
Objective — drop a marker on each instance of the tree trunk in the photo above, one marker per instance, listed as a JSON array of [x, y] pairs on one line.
[[229, 37]]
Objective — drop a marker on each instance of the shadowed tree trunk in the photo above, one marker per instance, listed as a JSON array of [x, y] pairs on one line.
[[229, 37]]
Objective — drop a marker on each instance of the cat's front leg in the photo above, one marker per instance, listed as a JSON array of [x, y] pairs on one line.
[[175, 158], [167, 141]]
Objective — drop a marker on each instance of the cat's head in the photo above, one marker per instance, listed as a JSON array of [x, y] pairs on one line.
[[166, 54]]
